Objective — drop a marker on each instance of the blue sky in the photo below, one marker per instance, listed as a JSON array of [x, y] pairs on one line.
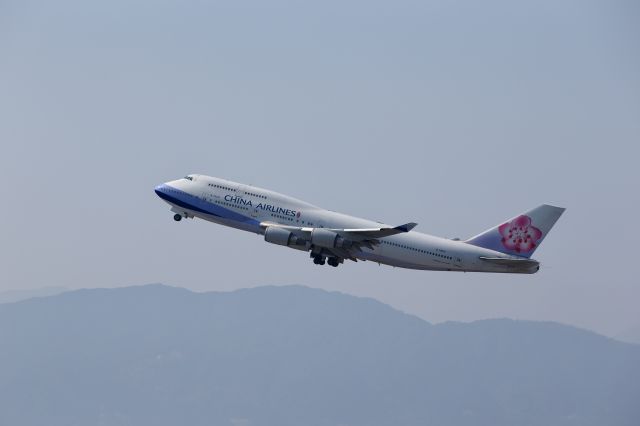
[[455, 115]]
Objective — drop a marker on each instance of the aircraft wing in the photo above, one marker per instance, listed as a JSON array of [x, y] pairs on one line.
[[379, 232], [352, 240], [357, 233]]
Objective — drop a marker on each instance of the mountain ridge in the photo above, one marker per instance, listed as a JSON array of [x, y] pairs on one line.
[[319, 291], [288, 355]]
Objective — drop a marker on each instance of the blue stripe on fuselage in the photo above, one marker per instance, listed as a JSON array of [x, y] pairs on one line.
[[193, 203]]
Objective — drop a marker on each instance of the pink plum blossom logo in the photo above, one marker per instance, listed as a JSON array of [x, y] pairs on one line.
[[519, 235]]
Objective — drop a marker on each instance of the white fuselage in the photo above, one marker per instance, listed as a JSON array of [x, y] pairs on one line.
[[247, 208]]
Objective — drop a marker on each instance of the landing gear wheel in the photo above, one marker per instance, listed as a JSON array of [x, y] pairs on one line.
[[333, 261], [177, 217]]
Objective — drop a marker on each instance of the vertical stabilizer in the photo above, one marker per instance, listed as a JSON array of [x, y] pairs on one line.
[[521, 235]]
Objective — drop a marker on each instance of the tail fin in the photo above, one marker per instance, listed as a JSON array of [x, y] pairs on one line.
[[521, 235]]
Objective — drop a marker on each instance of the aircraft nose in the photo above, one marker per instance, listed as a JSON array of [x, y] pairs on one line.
[[160, 190]]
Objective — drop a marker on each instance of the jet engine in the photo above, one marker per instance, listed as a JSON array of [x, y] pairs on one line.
[[283, 237], [328, 239]]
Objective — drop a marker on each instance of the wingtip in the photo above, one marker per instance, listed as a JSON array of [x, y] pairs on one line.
[[406, 227]]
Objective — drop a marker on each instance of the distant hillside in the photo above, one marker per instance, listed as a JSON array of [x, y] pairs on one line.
[[156, 355]]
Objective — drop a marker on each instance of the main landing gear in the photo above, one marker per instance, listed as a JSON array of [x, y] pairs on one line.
[[177, 217], [333, 261], [320, 260]]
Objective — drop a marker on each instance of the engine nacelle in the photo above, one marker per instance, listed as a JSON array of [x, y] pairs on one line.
[[328, 239], [276, 235], [283, 237], [320, 237]]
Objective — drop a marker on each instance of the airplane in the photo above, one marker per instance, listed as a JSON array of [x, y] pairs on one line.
[[333, 237]]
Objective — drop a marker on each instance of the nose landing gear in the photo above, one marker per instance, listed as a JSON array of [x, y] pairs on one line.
[[177, 217]]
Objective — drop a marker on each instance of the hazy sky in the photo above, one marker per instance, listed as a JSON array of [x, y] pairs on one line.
[[453, 114]]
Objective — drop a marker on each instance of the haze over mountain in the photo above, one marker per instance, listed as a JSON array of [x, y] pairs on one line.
[[631, 335], [11, 296], [157, 355]]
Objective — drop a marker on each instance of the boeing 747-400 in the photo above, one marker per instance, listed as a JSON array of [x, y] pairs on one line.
[[333, 237]]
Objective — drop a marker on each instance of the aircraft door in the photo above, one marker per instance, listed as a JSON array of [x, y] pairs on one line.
[[207, 195], [240, 192]]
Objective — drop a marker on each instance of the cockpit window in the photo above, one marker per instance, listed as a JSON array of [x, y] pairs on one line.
[[188, 177]]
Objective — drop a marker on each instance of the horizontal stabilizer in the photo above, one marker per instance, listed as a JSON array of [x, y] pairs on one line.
[[524, 262]]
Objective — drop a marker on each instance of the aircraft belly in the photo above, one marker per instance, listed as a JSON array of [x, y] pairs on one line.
[[389, 259], [244, 226]]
